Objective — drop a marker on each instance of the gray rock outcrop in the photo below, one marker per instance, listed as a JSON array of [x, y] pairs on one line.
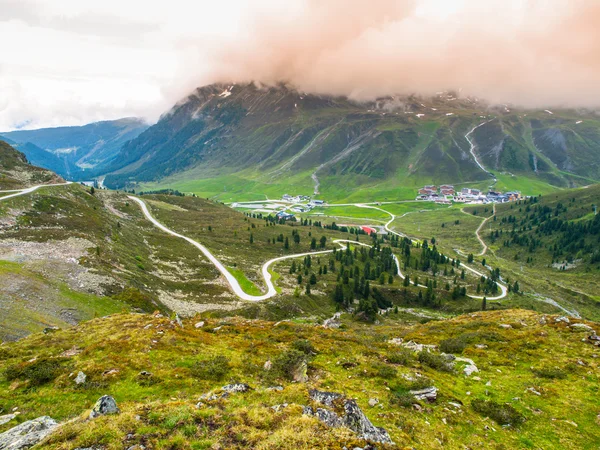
[[104, 406], [353, 416], [27, 434]]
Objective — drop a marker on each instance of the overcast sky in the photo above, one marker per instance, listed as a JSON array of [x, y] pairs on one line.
[[69, 62]]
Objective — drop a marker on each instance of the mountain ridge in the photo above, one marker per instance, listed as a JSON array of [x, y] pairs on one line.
[[263, 134]]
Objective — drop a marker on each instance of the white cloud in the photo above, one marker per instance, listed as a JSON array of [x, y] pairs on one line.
[[65, 62]]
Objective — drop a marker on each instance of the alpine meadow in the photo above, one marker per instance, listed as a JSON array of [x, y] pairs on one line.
[[304, 225]]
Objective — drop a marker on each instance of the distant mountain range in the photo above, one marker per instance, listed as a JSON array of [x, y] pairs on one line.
[[76, 152], [241, 139], [279, 135]]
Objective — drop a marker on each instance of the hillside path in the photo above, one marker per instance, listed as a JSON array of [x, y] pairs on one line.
[[29, 190], [271, 291]]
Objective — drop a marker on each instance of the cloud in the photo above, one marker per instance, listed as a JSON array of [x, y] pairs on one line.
[[529, 53], [74, 61]]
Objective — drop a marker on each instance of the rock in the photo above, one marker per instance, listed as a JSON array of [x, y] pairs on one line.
[[105, 405], [533, 391], [278, 408], [396, 341], [80, 378], [581, 327], [333, 322], [470, 368], [199, 324], [50, 330], [353, 418], [481, 346], [71, 352], [275, 388], [178, 320], [505, 326], [373, 402], [7, 418], [145, 373], [324, 398], [27, 434], [236, 387], [329, 418], [415, 347], [268, 365], [110, 372], [562, 319], [359, 423], [429, 394], [542, 320], [299, 372]]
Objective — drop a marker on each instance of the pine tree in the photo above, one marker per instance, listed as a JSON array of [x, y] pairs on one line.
[[286, 244], [307, 288], [484, 304], [251, 238]]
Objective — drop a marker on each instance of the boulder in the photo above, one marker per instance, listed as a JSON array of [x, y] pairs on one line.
[[27, 434], [373, 402], [359, 423], [299, 374], [80, 378], [581, 327], [563, 319], [324, 398], [199, 324], [505, 326], [333, 322], [236, 387], [429, 394], [353, 417], [268, 365], [104, 406], [275, 388]]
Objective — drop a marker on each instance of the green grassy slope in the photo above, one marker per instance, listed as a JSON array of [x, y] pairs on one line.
[[535, 387]]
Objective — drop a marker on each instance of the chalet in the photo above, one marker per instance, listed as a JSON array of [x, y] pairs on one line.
[[285, 216]]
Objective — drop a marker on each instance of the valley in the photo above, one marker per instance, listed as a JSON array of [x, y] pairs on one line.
[[440, 321]]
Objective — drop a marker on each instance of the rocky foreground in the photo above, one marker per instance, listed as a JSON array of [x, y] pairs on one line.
[[510, 379]]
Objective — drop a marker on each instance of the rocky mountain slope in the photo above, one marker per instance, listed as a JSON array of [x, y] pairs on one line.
[[17, 173], [510, 379], [76, 152], [243, 136]]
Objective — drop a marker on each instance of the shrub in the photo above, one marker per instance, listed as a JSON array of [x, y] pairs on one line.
[[437, 362], [453, 345], [550, 373], [402, 357], [38, 372], [384, 371], [304, 346], [286, 364], [214, 368], [502, 414]]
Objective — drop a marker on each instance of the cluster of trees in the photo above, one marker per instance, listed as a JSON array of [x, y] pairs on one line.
[[541, 226], [161, 191], [358, 268]]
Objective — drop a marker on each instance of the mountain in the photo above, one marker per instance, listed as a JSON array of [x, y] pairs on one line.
[[247, 140], [17, 173], [77, 152]]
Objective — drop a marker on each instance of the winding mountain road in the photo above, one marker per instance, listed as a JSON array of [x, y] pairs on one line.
[[271, 290], [17, 192]]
